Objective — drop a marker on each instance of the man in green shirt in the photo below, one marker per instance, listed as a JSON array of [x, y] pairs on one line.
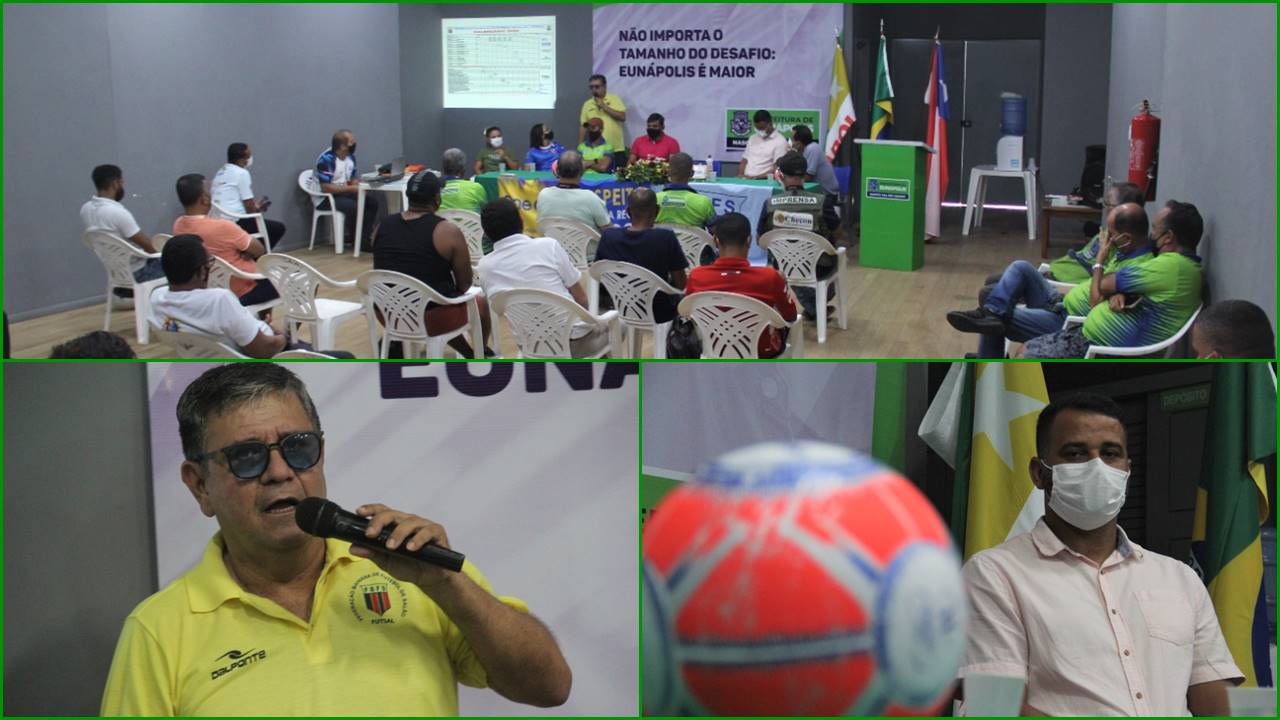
[[458, 193], [1074, 266], [597, 153], [1138, 304], [680, 204]]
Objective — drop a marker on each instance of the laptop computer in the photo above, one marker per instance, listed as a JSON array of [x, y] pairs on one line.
[[386, 173]]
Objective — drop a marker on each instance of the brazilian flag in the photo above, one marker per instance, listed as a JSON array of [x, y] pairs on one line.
[[1231, 505], [882, 103]]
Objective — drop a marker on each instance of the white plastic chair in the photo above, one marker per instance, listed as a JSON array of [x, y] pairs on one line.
[[730, 325], [307, 181], [1062, 287], [542, 323], [469, 223], [692, 241], [575, 237], [117, 255], [220, 274], [196, 346], [159, 239], [797, 253], [1165, 346], [298, 284], [633, 290], [217, 211], [301, 355], [402, 301]]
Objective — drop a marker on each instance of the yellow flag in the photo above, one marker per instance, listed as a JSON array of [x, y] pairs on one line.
[[1003, 502], [526, 196], [840, 115]]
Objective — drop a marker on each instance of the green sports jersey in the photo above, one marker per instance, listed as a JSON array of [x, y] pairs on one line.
[[1076, 265], [592, 153], [459, 194], [683, 206], [1076, 301], [1169, 285]]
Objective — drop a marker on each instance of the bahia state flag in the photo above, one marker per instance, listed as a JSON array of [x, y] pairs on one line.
[[936, 137], [982, 422], [1232, 504], [693, 413]]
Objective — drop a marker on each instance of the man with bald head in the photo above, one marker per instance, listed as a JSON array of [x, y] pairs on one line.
[[568, 199], [339, 176], [1140, 303], [1023, 305], [654, 249]]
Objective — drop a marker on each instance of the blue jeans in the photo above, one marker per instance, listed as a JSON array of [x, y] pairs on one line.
[[1043, 312]]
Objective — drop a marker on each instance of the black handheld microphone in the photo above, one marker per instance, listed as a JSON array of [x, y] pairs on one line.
[[319, 517]]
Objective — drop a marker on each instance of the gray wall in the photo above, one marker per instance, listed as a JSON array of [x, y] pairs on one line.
[[1077, 54], [429, 129], [161, 90], [1210, 69], [78, 548]]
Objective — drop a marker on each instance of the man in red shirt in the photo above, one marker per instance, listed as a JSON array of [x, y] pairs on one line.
[[656, 144], [731, 272]]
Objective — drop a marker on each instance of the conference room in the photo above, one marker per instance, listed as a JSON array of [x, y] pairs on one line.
[[636, 180]]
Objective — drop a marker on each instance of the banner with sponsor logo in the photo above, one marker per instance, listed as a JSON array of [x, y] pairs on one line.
[[530, 467], [691, 61], [738, 126]]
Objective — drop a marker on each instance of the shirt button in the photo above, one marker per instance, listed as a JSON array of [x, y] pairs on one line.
[[1126, 654], [1113, 611], [1139, 696]]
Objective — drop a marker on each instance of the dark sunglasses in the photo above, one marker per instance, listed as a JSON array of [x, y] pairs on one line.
[[248, 460]]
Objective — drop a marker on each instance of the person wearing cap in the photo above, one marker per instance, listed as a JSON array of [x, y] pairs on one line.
[[820, 170], [597, 152], [610, 111], [798, 209], [422, 245]]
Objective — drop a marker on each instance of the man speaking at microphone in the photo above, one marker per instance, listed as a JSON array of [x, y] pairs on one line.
[[273, 621]]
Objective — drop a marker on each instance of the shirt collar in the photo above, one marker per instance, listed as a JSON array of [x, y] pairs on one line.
[[1146, 250], [680, 186], [209, 584], [1050, 545], [723, 261]]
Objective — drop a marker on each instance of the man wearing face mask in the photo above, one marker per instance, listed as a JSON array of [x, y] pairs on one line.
[[104, 213], [597, 153], [337, 173], [1022, 305], [1096, 624], [232, 190], [656, 144], [1139, 303], [495, 156], [764, 148]]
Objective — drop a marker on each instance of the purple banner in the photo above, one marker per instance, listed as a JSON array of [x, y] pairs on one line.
[[692, 62]]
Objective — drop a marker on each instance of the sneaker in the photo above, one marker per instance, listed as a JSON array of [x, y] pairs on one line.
[[980, 320]]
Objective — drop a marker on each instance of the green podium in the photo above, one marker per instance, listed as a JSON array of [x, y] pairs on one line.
[[891, 195]]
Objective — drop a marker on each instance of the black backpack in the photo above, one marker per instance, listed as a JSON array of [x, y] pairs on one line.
[[1093, 176]]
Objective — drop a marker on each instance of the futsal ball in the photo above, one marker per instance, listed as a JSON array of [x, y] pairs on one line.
[[799, 579]]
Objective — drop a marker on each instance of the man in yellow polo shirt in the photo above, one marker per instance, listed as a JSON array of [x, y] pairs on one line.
[[611, 111], [273, 621]]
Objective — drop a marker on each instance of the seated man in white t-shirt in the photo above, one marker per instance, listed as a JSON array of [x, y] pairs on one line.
[[232, 190], [568, 199], [190, 305], [522, 262], [104, 213]]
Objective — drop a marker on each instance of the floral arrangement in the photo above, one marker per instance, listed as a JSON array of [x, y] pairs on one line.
[[645, 172]]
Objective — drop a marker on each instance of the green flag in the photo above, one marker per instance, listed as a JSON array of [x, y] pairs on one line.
[[882, 104], [1232, 504]]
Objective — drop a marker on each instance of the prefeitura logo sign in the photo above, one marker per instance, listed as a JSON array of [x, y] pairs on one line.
[[738, 125]]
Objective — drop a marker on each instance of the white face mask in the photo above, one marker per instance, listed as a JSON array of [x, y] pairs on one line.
[[1088, 494], [496, 142], [249, 163], [762, 133]]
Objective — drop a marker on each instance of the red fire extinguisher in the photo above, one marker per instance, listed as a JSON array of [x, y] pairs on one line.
[[1144, 149]]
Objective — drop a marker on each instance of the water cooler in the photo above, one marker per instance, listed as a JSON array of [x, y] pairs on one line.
[[1013, 125]]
